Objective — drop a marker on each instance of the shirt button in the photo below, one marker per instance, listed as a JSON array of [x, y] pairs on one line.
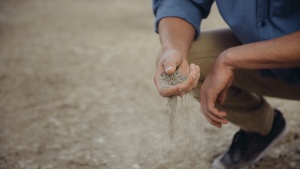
[[263, 24]]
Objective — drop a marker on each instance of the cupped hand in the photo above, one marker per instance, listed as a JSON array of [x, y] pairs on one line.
[[171, 61], [214, 90]]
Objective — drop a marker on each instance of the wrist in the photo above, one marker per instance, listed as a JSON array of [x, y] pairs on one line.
[[227, 59], [176, 34]]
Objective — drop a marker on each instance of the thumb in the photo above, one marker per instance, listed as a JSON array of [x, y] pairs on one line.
[[170, 61], [170, 68], [222, 96]]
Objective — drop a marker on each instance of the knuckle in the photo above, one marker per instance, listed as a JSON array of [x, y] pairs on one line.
[[213, 113], [178, 89], [211, 117], [190, 82], [182, 87], [162, 93], [214, 118]]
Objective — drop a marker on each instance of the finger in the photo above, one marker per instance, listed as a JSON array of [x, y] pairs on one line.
[[213, 117], [198, 76], [209, 100], [159, 71], [182, 94], [192, 79], [172, 90], [170, 61], [194, 71], [217, 119], [222, 96], [219, 125], [211, 107], [157, 75], [170, 67], [204, 111]]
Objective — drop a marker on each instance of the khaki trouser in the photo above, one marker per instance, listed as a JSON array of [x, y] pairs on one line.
[[244, 103]]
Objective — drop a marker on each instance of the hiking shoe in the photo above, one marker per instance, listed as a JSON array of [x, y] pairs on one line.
[[249, 147]]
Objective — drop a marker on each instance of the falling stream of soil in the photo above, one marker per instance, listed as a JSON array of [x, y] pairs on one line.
[[185, 139]]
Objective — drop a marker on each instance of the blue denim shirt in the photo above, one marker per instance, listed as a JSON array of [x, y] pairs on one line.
[[250, 20]]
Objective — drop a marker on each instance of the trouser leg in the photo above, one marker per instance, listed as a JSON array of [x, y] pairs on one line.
[[244, 104]]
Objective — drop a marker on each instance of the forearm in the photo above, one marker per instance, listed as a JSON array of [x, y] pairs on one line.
[[283, 52], [176, 34]]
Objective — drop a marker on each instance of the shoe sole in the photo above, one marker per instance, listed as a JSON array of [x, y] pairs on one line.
[[273, 143], [218, 165]]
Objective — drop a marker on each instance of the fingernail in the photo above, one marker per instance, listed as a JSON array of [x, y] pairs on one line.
[[193, 66], [169, 68]]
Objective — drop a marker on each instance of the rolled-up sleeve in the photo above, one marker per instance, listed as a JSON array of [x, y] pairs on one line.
[[193, 11]]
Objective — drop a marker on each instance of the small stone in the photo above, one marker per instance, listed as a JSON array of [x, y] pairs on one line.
[[100, 141], [136, 166]]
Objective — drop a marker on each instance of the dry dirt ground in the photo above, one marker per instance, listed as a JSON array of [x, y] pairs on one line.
[[76, 90]]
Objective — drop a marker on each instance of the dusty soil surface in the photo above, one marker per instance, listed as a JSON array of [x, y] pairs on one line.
[[76, 90]]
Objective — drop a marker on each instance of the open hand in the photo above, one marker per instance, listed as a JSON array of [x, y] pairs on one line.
[[170, 61]]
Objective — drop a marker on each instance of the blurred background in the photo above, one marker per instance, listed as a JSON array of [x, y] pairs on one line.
[[76, 89]]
